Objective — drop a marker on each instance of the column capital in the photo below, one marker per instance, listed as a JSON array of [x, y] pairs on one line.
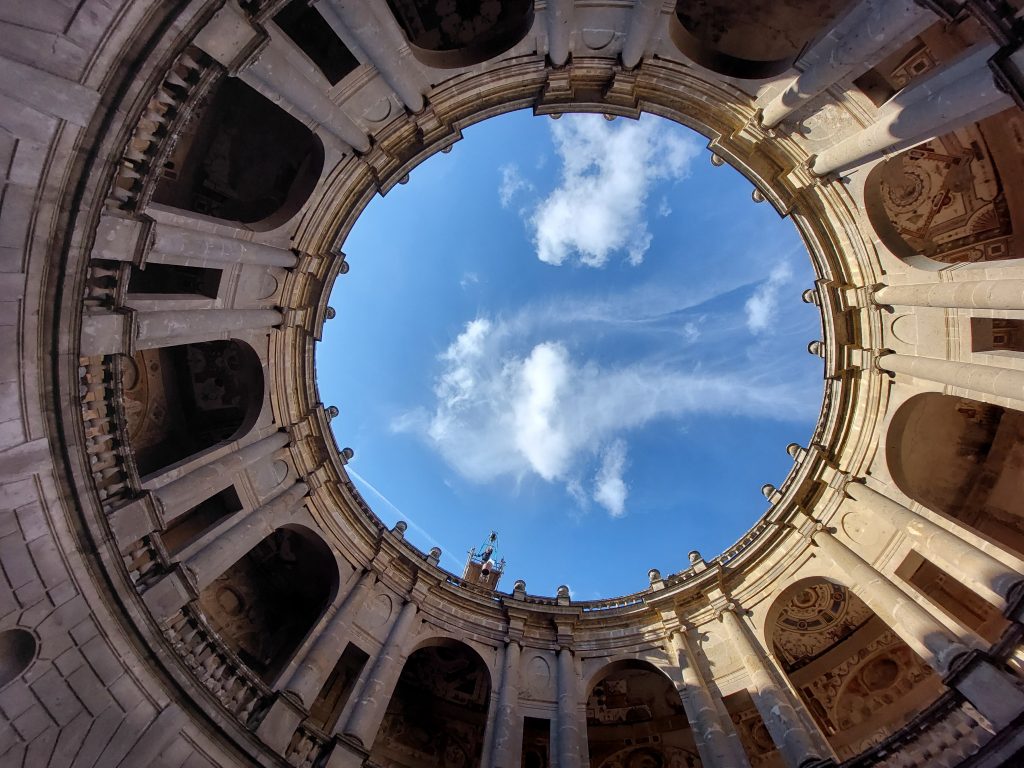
[[730, 606]]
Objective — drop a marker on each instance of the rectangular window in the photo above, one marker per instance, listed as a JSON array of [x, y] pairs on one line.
[[997, 335], [325, 711], [174, 280], [536, 742], [314, 36]]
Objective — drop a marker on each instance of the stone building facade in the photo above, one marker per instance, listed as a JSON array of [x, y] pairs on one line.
[[189, 577]]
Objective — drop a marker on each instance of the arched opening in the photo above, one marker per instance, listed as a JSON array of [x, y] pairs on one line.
[[265, 604], [979, 449], [241, 158], [858, 679], [447, 34], [952, 199], [184, 399], [749, 40], [438, 712], [635, 717]]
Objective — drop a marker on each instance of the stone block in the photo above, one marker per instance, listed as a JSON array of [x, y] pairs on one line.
[[101, 659], [55, 695]]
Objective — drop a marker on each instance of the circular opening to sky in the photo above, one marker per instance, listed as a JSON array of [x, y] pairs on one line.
[[577, 333]]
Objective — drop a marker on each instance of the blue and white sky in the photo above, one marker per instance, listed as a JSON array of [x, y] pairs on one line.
[[580, 334]]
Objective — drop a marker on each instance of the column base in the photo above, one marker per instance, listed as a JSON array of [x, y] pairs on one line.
[[994, 693], [344, 754], [167, 596], [280, 722]]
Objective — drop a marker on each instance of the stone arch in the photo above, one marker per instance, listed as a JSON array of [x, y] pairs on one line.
[[181, 400], [242, 159], [265, 604], [635, 717], [448, 35], [980, 450], [859, 680], [951, 200], [437, 714], [750, 40]]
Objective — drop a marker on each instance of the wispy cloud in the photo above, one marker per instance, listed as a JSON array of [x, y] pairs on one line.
[[446, 554], [512, 183], [517, 401], [607, 170], [761, 307], [610, 489]]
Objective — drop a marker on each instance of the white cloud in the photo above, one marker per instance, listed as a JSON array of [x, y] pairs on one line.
[[664, 209], [512, 183], [508, 406], [610, 490], [761, 306], [607, 170], [468, 279]]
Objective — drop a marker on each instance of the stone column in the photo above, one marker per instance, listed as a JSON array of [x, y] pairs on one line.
[[989, 577], [568, 727], [279, 72], [774, 702], [699, 704], [907, 618], [318, 663], [970, 294], [383, 44], [184, 583], [849, 49], [508, 726], [959, 96], [559, 27], [642, 21], [374, 696], [274, 74], [179, 496], [232, 544], [177, 245], [987, 379], [164, 329], [989, 689]]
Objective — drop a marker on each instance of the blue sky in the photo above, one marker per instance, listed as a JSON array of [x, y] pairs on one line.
[[580, 334]]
